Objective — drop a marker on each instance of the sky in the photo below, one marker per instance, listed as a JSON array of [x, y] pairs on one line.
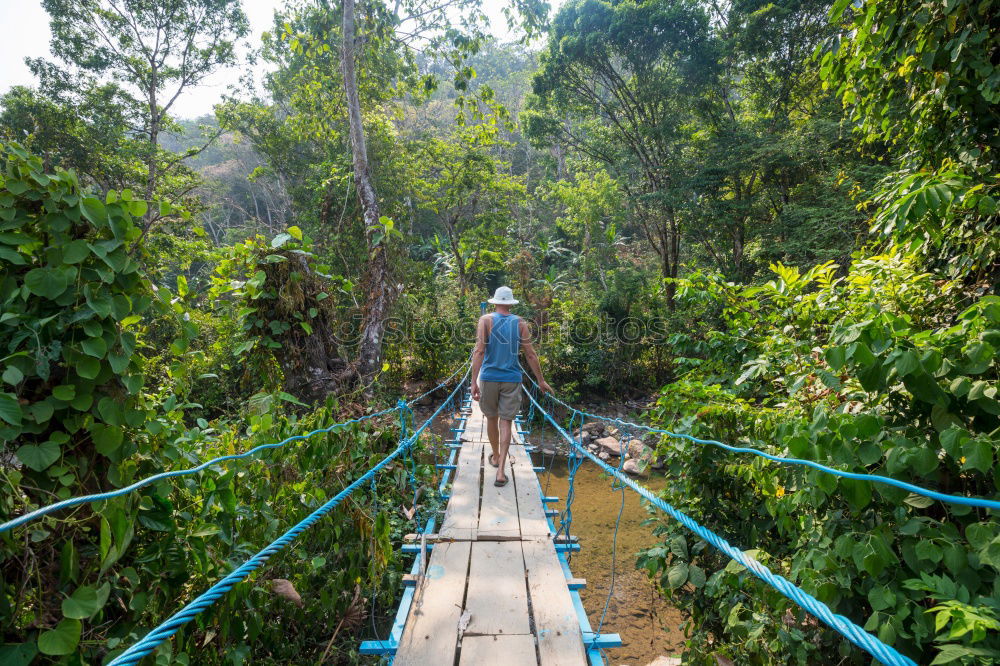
[[27, 35]]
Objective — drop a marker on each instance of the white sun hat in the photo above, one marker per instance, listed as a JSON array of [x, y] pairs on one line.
[[503, 296]]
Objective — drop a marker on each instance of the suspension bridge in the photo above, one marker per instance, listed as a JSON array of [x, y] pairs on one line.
[[493, 583]]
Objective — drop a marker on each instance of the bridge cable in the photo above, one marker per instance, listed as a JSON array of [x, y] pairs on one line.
[[97, 497], [933, 494], [615, 487], [168, 628], [885, 654]]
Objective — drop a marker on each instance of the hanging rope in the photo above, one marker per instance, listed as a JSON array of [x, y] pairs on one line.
[[885, 654], [875, 478], [97, 497], [84, 499], [208, 598], [615, 487], [573, 462]]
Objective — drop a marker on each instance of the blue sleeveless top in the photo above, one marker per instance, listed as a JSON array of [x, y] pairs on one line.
[[500, 363]]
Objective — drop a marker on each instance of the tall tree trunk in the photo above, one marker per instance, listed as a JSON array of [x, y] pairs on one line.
[[154, 137], [381, 293]]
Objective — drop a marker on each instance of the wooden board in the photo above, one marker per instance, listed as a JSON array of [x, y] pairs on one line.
[[462, 515], [512, 650], [475, 427], [531, 512], [431, 632], [560, 642], [474, 601], [497, 600], [498, 511]]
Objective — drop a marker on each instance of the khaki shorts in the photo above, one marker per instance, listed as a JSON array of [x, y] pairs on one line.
[[501, 399]]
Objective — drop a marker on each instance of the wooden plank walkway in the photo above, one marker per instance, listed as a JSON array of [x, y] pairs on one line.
[[494, 591]]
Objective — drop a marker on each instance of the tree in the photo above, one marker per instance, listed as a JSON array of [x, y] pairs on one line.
[[616, 83], [154, 49], [922, 80], [85, 129], [381, 292], [592, 203], [469, 195], [767, 134]]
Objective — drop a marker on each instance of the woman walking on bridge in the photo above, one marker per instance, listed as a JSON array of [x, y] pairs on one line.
[[496, 374]]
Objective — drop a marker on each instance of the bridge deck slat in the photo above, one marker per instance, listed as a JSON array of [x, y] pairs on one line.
[[499, 510], [510, 650], [461, 518], [560, 642], [431, 632], [497, 600], [530, 512]]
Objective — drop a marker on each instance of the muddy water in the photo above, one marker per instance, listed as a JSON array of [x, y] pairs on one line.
[[649, 627]]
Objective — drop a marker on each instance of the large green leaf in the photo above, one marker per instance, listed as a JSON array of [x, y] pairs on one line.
[[10, 409], [84, 603], [95, 211], [62, 640], [64, 392], [677, 575], [111, 411], [12, 375], [95, 347], [46, 282], [18, 655], [857, 493], [925, 388], [978, 455], [38, 456], [75, 251], [88, 367], [107, 438], [907, 363]]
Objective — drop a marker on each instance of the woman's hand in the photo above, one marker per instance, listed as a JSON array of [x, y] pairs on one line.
[[544, 385]]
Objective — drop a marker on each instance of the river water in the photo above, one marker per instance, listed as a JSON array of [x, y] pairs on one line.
[[648, 625]]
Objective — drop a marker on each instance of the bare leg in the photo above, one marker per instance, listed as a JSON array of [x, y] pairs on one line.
[[505, 433], [493, 433]]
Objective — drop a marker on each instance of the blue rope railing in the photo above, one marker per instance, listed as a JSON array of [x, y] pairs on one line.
[[165, 630], [885, 654], [623, 440], [118, 492], [858, 476]]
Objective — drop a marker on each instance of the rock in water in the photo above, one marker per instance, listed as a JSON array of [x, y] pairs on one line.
[[638, 450], [611, 445], [636, 468]]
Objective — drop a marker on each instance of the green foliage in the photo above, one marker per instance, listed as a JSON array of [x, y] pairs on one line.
[[920, 76], [868, 372], [922, 80], [286, 308], [80, 334], [72, 298], [686, 140]]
